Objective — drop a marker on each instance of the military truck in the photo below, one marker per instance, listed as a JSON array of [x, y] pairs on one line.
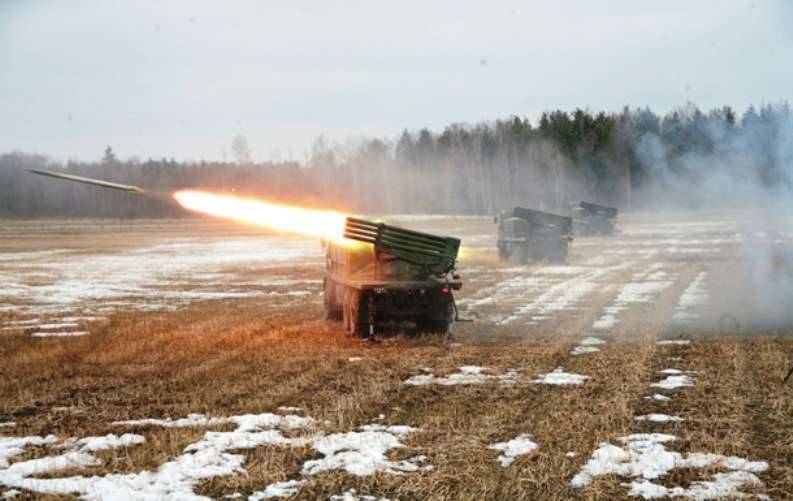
[[526, 234], [593, 219], [382, 274]]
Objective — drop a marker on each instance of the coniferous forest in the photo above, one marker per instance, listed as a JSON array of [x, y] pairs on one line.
[[635, 159]]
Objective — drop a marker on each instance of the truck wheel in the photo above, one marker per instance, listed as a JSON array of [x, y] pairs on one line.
[[332, 309], [520, 254], [351, 313], [524, 254], [440, 326], [345, 318], [503, 252], [432, 326], [565, 250]]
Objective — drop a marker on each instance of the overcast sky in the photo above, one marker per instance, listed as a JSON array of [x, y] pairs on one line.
[[181, 78]]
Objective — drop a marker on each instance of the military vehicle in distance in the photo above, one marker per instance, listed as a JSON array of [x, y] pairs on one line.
[[593, 219], [526, 234], [403, 276]]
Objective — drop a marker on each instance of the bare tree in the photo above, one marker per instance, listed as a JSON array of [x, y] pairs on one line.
[[241, 150]]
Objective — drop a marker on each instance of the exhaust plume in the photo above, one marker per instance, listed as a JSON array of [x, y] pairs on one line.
[[316, 223]]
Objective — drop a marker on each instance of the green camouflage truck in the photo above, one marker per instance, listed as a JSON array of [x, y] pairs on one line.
[[530, 235], [390, 275], [593, 219]]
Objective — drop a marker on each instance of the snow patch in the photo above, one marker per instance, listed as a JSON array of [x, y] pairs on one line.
[[518, 446], [561, 270], [59, 325], [554, 294], [14, 446], [286, 408], [560, 377], [672, 372], [364, 452], [60, 334], [175, 274], [16, 473], [245, 422], [583, 350], [673, 342], [695, 295], [673, 382], [351, 495], [646, 286], [278, 490], [606, 321], [644, 456], [657, 397], [723, 485], [82, 319], [108, 442], [176, 479], [26, 256], [468, 374], [557, 298], [658, 418], [31, 321]]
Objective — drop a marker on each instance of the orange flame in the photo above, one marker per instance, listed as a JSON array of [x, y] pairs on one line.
[[316, 223]]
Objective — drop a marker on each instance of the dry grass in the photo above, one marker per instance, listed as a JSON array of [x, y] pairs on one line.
[[235, 357]]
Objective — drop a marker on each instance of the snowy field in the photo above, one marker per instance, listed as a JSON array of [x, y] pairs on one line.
[[196, 364]]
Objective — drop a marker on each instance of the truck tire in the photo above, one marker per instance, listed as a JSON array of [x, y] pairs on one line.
[[351, 312], [503, 252], [523, 254], [438, 326], [518, 253], [333, 311], [432, 325], [562, 250]]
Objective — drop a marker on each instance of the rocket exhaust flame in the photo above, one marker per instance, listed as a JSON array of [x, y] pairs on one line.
[[316, 223]]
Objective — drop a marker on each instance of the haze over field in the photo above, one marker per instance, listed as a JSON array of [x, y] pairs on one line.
[[353, 250], [180, 79], [189, 359]]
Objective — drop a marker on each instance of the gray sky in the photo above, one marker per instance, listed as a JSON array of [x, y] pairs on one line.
[[180, 78]]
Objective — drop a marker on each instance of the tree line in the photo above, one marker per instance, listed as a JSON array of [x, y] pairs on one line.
[[633, 159]]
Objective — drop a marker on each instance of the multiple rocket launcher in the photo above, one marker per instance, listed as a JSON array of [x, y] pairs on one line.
[[411, 274], [530, 235]]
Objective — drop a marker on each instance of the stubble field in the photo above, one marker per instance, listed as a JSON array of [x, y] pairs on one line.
[[185, 359]]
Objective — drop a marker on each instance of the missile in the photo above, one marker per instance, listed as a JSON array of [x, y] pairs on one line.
[[86, 180]]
